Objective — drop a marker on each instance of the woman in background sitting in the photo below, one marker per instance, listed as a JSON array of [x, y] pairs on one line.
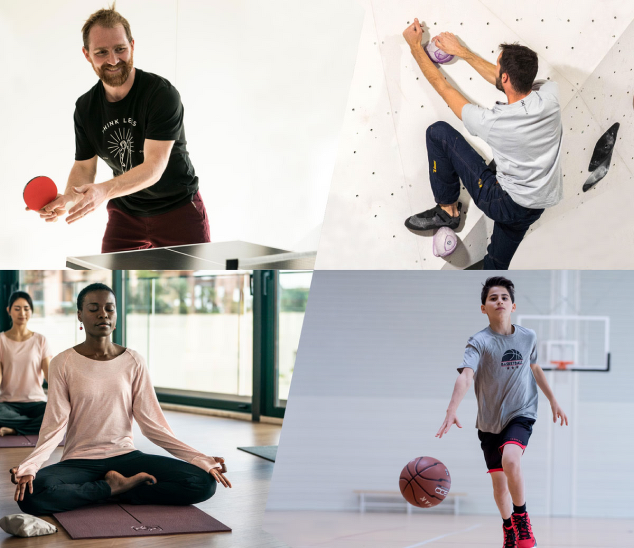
[[24, 360]]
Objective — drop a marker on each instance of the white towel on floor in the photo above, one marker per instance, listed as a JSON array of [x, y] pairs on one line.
[[25, 525]]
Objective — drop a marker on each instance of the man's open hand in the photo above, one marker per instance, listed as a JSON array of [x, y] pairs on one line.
[[87, 198], [448, 42]]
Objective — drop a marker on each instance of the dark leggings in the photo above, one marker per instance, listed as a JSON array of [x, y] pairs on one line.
[[73, 483], [24, 417]]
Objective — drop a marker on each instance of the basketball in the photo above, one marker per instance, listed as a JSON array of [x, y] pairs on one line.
[[425, 482], [445, 242]]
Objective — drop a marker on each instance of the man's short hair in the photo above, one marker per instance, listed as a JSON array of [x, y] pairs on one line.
[[108, 18], [497, 281], [520, 63]]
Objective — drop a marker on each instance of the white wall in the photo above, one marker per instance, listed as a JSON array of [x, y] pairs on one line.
[[381, 174], [264, 86], [375, 371], [571, 235]]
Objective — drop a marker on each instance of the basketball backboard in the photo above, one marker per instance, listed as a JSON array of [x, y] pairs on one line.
[[571, 343]]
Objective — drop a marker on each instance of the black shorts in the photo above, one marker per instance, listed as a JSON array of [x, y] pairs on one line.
[[518, 431]]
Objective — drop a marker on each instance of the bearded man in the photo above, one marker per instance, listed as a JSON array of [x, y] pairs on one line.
[[525, 135], [133, 120]]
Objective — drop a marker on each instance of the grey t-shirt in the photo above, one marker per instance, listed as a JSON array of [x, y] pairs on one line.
[[526, 141], [503, 379]]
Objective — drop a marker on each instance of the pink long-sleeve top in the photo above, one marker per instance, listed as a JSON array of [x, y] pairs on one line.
[[22, 374], [95, 402]]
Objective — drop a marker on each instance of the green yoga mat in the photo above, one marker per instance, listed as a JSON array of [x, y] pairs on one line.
[[268, 452]]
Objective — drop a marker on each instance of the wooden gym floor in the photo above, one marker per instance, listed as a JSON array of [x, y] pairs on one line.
[[241, 508], [304, 529]]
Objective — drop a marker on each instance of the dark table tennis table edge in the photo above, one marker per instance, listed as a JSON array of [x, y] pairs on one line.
[[77, 263]]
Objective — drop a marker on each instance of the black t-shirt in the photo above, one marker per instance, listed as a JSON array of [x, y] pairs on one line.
[[116, 133]]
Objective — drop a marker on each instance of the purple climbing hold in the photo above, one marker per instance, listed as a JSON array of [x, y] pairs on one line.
[[436, 54]]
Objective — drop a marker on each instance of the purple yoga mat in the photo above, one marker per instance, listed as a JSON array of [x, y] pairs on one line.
[[16, 441], [20, 440], [126, 520]]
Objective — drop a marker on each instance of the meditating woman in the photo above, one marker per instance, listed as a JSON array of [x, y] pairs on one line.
[[95, 390], [24, 359]]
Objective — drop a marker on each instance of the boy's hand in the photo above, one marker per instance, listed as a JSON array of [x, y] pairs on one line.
[[558, 412], [450, 419]]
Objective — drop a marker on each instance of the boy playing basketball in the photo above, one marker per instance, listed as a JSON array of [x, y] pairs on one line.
[[502, 360]]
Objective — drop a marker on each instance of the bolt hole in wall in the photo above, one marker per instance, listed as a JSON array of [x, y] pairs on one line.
[[581, 45]]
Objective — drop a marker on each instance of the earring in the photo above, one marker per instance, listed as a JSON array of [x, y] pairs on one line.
[[81, 327]]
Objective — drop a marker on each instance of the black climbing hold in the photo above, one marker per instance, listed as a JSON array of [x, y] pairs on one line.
[[601, 157], [604, 147]]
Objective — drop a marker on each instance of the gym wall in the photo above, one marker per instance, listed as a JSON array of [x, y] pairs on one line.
[[375, 372], [381, 173]]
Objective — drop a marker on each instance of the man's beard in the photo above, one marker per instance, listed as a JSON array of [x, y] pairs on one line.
[[498, 83], [119, 78]]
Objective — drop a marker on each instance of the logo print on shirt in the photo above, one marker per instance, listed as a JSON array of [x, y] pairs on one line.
[[512, 358], [121, 146]]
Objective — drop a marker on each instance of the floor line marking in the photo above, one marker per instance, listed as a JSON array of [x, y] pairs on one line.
[[444, 536]]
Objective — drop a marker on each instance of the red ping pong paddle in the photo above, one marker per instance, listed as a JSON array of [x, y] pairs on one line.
[[38, 192]]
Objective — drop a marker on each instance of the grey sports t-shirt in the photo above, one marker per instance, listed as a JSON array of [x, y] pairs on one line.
[[526, 141], [503, 379]]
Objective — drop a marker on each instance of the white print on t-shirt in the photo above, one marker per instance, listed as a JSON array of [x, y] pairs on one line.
[[121, 147], [111, 123]]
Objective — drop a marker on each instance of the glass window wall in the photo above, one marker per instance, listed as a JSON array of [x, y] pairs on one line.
[[195, 329], [292, 292]]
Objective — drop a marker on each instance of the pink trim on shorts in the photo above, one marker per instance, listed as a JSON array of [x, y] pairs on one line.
[[514, 443], [495, 470]]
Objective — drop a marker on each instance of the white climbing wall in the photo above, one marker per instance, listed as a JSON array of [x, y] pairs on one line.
[[592, 229], [381, 173]]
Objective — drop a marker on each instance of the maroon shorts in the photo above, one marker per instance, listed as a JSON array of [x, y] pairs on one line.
[[186, 225]]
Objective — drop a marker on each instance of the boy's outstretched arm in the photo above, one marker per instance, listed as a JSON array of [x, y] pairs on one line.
[[540, 378], [463, 382]]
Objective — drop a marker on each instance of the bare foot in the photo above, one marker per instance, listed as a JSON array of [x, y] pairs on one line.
[[451, 209], [120, 484], [6, 431]]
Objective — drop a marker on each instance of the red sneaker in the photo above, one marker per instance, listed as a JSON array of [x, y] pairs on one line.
[[523, 530], [510, 540]]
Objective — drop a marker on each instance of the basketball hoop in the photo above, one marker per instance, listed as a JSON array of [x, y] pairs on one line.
[[570, 343], [561, 365]]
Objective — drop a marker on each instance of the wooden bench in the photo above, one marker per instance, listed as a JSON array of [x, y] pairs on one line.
[[394, 499]]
